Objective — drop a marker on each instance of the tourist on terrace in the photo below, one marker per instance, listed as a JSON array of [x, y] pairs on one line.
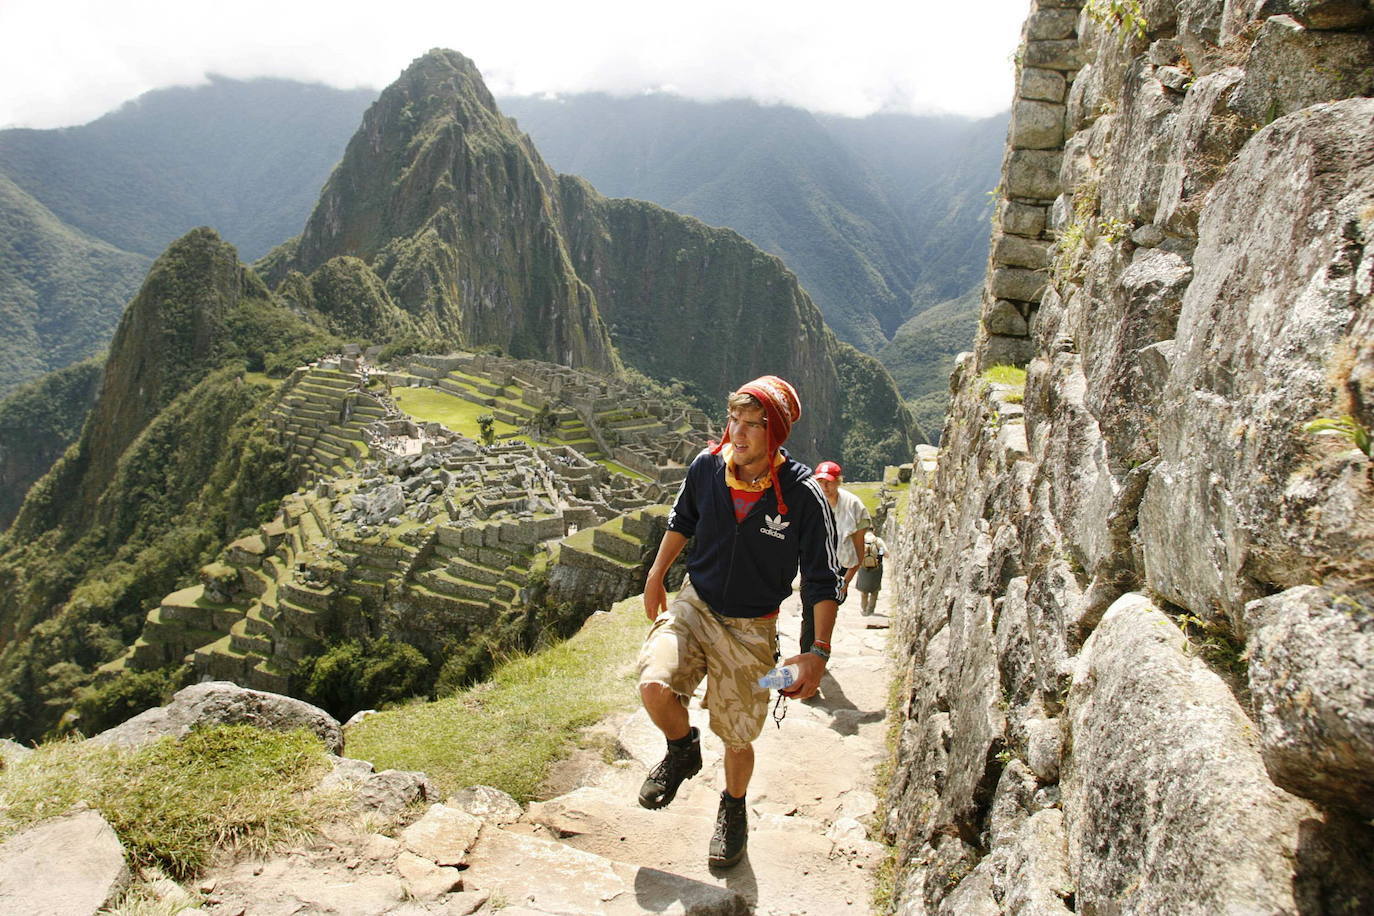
[[870, 579], [757, 515], [851, 521]]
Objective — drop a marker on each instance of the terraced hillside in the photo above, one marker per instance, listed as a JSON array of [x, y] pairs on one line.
[[407, 526]]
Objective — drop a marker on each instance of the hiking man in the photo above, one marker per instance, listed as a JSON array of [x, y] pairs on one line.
[[851, 521], [756, 515]]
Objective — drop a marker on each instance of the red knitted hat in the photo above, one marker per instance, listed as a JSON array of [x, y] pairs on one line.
[[782, 407]]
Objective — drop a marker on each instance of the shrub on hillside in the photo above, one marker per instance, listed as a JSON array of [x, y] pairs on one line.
[[106, 705], [363, 674]]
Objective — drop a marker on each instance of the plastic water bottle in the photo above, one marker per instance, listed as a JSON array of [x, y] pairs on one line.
[[780, 678]]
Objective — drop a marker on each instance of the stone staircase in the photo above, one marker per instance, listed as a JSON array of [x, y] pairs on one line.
[[322, 415]]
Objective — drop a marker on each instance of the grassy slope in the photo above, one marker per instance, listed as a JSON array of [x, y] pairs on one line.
[[507, 732]]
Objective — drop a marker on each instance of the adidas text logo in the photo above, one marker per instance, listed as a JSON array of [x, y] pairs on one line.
[[774, 527]]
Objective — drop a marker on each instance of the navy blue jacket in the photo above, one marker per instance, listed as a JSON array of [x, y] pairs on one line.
[[745, 569]]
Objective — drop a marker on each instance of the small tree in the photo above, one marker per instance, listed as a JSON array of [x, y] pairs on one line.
[[487, 424]]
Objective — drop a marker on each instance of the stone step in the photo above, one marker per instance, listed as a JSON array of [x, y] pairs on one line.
[[257, 623], [265, 675], [316, 599], [546, 876], [477, 612], [373, 589], [464, 569], [323, 416], [294, 648], [439, 581], [646, 525], [323, 444], [242, 639], [789, 857], [609, 541], [222, 662], [299, 621]]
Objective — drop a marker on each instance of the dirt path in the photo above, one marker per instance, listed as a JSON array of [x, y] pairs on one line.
[[810, 798], [593, 850]]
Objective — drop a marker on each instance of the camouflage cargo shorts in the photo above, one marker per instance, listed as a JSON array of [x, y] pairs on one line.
[[689, 642]]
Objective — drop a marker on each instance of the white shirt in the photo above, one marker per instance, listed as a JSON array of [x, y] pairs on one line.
[[851, 515]]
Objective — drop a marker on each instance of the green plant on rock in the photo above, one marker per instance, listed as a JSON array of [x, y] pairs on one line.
[[1114, 230], [1212, 642], [1347, 426], [1068, 247], [1123, 18]]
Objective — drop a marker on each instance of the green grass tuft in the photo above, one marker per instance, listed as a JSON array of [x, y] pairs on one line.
[[506, 732], [173, 803], [1005, 375]]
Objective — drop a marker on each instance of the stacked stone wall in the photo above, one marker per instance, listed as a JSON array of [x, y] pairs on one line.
[[1137, 590]]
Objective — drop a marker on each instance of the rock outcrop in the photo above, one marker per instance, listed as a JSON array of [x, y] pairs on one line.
[[223, 703], [1138, 589]]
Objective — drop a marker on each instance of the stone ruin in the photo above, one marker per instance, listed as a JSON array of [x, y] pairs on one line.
[[405, 528]]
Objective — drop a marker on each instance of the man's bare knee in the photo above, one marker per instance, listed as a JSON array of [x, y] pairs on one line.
[[656, 693]]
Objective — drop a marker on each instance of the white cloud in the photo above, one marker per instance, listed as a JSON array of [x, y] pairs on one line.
[[67, 61]]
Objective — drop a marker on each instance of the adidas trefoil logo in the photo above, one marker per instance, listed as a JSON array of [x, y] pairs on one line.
[[774, 527]]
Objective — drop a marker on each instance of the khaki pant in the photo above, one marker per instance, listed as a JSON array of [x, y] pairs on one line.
[[689, 642]]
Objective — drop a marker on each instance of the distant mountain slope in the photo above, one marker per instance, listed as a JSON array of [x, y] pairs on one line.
[[921, 356], [61, 291], [247, 158], [937, 174], [879, 217], [37, 423]]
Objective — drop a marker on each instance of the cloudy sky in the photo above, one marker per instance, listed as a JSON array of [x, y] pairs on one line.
[[68, 61]]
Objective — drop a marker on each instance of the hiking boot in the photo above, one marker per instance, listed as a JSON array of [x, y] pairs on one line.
[[732, 833], [680, 763]]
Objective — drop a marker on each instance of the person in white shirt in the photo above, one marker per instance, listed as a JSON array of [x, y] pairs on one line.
[[851, 521]]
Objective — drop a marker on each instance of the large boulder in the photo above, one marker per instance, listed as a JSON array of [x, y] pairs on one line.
[[1244, 497], [224, 703], [1312, 677], [66, 866], [1167, 804]]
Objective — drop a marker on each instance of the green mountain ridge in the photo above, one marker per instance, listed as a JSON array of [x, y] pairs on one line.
[[880, 217], [61, 291], [921, 356], [83, 210], [441, 226], [245, 157]]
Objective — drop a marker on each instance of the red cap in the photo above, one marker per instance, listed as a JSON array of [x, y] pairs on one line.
[[828, 470]]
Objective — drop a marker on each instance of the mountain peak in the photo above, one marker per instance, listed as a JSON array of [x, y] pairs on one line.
[[449, 205]]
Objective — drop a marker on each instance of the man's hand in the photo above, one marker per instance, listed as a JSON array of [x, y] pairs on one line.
[[655, 597], [810, 669]]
